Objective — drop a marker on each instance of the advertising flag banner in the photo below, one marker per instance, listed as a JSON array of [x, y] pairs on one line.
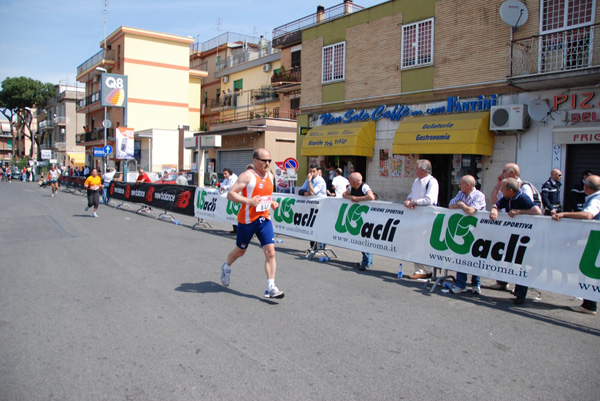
[[125, 142]]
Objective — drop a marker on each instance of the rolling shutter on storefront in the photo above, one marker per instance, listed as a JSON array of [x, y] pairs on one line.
[[580, 158], [237, 160]]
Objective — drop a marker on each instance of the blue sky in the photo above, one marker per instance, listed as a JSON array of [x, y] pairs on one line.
[[47, 39]]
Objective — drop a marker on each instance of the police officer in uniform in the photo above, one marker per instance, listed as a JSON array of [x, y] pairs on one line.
[[551, 193]]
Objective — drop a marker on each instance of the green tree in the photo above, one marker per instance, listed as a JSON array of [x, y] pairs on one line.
[[17, 99]]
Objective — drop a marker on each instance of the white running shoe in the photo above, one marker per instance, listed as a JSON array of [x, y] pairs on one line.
[[274, 293], [225, 275], [95, 215]]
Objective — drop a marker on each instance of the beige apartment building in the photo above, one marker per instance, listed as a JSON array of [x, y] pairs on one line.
[[163, 94], [246, 111], [448, 81], [57, 126]]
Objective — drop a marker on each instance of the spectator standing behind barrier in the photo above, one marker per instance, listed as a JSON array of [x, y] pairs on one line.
[[469, 199], [590, 211], [317, 187], [229, 178], [106, 180], [93, 184], [424, 192], [510, 170], [577, 194], [181, 179], [339, 183], [254, 190], [551, 193], [359, 191], [142, 177], [515, 202]]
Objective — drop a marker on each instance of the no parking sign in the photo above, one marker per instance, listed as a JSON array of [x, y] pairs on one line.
[[290, 162]]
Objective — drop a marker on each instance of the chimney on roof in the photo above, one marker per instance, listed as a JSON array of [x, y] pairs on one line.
[[348, 7], [320, 14]]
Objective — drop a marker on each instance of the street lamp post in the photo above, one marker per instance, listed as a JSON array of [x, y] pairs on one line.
[[104, 122]]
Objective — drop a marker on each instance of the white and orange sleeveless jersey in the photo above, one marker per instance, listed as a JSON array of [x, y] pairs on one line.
[[257, 186]]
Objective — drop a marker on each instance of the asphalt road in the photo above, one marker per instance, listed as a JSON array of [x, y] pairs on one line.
[[125, 307]]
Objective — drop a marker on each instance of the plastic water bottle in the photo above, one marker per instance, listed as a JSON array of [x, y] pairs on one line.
[[324, 259], [177, 222], [400, 271], [279, 241]]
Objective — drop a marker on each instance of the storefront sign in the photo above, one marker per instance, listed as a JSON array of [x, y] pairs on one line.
[[398, 112], [570, 135], [580, 104]]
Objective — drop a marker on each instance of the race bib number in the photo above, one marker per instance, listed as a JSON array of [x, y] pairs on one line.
[[95, 187], [264, 204]]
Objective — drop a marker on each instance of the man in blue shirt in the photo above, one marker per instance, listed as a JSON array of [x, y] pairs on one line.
[[515, 202], [314, 185]]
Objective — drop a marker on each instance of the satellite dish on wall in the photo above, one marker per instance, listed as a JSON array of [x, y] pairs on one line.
[[538, 110], [514, 13]]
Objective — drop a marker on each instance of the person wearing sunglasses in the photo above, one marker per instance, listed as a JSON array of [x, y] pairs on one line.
[[551, 193], [254, 191]]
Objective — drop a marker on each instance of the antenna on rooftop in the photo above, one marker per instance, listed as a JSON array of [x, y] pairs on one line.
[[218, 34], [105, 14]]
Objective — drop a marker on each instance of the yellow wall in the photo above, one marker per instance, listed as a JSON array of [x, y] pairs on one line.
[[158, 82], [195, 103]]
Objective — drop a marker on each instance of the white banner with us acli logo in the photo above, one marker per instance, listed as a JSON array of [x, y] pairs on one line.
[[535, 251]]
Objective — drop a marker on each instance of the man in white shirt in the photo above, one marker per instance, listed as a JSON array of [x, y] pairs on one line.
[[181, 179], [424, 192], [339, 183], [106, 180], [229, 178]]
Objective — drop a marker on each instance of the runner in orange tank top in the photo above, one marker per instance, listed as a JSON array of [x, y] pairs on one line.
[[254, 190]]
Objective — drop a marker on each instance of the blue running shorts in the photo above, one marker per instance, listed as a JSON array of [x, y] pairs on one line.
[[263, 228]]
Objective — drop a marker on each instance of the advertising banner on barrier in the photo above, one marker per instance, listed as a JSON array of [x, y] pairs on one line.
[[535, 251], [174, 198]]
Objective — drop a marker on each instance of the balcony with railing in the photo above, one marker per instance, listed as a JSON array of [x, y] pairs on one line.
[[293, 29], [88, 100], [227, 37], [95, 136], [570, 57], [285, 77], [60, 120], [60, 146], [46, 124], [253, 114], [96, 59], [247, 55]]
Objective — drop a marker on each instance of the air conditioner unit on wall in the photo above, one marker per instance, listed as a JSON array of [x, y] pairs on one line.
[[266, 67], [225, 79], [512, 117]]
